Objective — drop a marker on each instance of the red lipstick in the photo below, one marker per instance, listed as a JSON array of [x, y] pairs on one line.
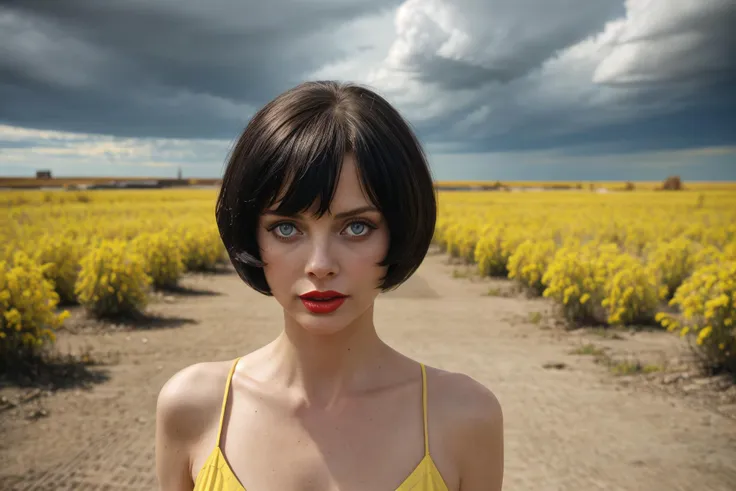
[[322, 302]]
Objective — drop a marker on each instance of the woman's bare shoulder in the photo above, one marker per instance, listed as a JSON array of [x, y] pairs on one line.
[[186, 409], [471, 418], [190, 400], [460, 394]]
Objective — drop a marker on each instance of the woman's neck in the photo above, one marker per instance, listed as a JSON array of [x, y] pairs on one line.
[[322, 369]]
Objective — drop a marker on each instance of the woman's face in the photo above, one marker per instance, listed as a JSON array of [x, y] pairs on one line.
[[338, 252]]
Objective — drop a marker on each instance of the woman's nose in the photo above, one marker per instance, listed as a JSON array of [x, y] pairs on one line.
[[321, 262]]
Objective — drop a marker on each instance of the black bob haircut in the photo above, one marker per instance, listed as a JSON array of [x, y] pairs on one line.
[[291, 152]]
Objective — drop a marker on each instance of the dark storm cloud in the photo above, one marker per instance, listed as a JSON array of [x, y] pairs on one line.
[[172, 68], [660, 76], [693, 127], [471, 75], [649, 118]]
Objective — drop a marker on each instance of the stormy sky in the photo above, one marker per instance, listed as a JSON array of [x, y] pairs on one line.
[[496, 89]]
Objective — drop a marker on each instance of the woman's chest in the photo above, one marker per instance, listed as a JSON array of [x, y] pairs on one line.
[[359, 448]]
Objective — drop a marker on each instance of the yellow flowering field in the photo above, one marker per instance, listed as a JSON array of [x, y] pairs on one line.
[[666, 258], [104, 250], [649, 257], [587, 185]]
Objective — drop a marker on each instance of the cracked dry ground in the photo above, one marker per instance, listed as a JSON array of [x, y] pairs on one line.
[[570, 424]]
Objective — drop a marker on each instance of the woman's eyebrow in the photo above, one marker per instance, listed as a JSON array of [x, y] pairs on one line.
[[355, 211], [338, 216]]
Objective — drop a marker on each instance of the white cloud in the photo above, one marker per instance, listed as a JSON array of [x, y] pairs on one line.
[[670, 41]]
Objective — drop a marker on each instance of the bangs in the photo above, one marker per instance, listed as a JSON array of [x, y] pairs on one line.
[[289, 159], [305, 168]]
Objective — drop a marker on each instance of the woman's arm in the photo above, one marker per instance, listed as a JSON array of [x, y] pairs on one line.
[[477, 435], [483, 458], [181, 417]]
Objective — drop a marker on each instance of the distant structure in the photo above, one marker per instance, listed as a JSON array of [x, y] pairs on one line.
[[43, 174], [178, 175]]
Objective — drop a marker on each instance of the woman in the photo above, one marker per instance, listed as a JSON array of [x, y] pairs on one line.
[[327, 200]]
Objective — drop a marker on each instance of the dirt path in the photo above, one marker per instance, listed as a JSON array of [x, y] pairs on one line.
[[574, 428]]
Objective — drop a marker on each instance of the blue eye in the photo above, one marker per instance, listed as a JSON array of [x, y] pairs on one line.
[[360, 227], [284, 228]]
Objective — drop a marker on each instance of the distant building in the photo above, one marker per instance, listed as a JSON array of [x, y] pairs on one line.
[[178, 175], [43, 174]]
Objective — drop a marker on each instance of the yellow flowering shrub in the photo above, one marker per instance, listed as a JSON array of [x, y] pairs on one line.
[[671, 262], [62, 252], [452, 239], [490, 254], [707, 301], [612, 258], [202, 247], [529, 262], [113, 280], [729, 250], [495, 245], [667, 236], [630, 291], [7, 250], [162, 255], [466, 241], [576, 280], [637, 238], [439, 237], [708, 255], [28, 315], [83, 246]]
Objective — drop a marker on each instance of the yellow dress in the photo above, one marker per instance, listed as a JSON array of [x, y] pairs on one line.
[[216, 475]]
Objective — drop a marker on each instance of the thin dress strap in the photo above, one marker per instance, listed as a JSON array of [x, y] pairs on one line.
[[424, 409], [224, 399]]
